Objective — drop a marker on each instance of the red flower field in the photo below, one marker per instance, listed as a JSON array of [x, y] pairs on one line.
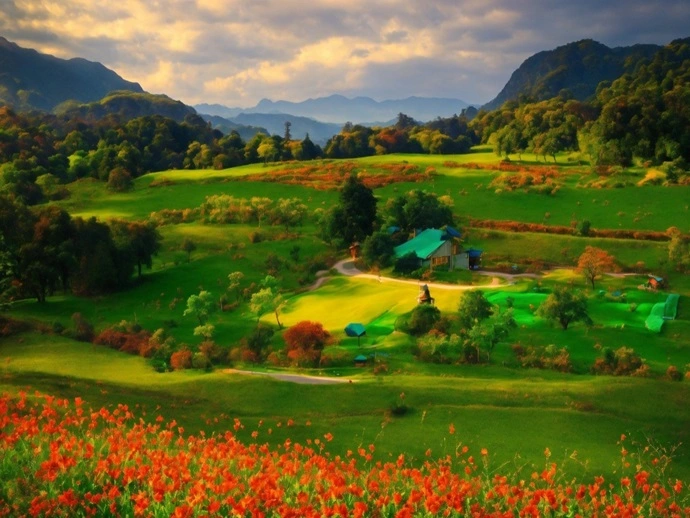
[[59, 458]]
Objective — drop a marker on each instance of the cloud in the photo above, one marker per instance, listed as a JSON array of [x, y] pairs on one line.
[[237, 52]]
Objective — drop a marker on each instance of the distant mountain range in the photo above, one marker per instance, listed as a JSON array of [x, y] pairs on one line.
[[274, 124], [30, 80], [577, 68], [338, 109]]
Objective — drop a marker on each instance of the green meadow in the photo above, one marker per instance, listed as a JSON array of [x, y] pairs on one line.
[[514, 412]]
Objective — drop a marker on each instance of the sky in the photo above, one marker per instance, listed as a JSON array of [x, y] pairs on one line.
[[238, 52]]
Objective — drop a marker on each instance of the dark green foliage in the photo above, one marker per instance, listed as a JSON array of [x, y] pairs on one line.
[[473, 308], [575, 70], [259, 340], [119, 180], [422, 319], [418, 210], [565, 306], [407, 264], [355, 216], [378, 249]]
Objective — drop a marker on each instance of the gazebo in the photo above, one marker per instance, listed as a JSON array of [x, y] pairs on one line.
[[360, 360], [355, 329]]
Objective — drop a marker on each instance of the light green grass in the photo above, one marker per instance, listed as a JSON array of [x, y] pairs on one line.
[[489, 406]]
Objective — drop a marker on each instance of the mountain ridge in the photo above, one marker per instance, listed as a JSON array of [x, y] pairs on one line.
[[30, 80], [576, 68], [338, 109]]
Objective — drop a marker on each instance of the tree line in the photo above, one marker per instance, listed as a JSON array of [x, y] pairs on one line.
[[644, 114], [46, 251]]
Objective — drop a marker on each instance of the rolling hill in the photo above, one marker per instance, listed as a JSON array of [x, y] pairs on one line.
[[30, 80]]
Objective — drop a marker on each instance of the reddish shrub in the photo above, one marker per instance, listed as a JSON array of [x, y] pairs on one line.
[[181, 359]]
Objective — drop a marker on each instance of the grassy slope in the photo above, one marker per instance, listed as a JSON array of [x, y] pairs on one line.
[[563, 412], [540, 409]]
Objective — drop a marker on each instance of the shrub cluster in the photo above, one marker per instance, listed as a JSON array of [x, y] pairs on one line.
[[519, 226], [539, 357]]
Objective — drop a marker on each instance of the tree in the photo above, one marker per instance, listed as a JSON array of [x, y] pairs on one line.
[[188, 245], [677, 248], [418, 210], [200, 306], [288, 136], [289, 212], [305, 341], [235, 279], [378, 249], [593, 262], [473, 308], [565, 306], [266, 300], [260, 206], [119, 180], [422, 319], [353, 219], [142, 239], [489, 332], [205, 331]]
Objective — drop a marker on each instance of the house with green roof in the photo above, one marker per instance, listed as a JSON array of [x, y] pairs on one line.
[[440, 248]]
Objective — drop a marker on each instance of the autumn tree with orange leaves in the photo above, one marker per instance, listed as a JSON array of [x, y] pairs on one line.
[[595, 261], [305, 341]]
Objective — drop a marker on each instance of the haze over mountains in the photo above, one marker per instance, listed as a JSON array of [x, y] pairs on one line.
[[30, 80], [339, 109]]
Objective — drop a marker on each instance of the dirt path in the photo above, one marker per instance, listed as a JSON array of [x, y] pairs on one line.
[[348, 268], [292, 378]]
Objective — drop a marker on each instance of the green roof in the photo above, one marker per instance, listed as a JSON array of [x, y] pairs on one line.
[[424, 244]]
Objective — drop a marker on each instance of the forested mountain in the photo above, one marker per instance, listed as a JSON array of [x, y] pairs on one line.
[[125, 106], [644, 114], [339, 109], [31, 80], [576, 68]]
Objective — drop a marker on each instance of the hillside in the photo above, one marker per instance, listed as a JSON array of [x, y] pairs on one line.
[[127, 105], [339, 109], [31, 80], [577, 67]]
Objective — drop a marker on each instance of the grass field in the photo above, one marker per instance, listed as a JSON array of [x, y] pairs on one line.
[[514, 412]]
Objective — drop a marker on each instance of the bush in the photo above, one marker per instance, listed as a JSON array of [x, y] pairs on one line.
[[406, 264], [256, 237], [422, 319], [673, 374], [624, 361], [549, 357], [83, 329], [201, 361], [181, 359]]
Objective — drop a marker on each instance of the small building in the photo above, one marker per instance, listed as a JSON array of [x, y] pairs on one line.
[[440, 248], [654, 282], [355, 249], [360, 360]]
